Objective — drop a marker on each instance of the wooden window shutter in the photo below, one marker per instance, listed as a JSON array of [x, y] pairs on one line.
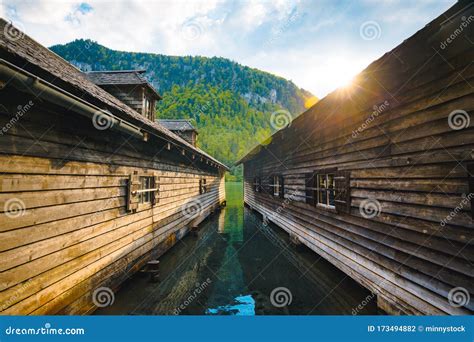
[[342, 186], [259, 184], [154, 194], [202, 186], [470, 170], [133, 186], [310, 181], [282, 187], [264, 186], [267, 185]]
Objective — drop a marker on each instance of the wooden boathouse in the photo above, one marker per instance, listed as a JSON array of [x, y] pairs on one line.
[[91, 187], [378, 177], [182, 127]]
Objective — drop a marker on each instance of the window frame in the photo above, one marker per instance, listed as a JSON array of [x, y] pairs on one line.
[[148, 105], [202, 186], [146, 188], [277, 186], [326, 190], [143, 191], [145, 105], [257, 184], [341, 186]]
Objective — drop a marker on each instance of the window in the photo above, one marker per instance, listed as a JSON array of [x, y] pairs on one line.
[[329, 189], [277, 184], [142, 190], [146, 106], [202, 186], [148, 109], [144, 196], [256, 184], [325, 190]]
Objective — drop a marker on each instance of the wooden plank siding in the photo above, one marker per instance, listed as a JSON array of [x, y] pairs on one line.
[[74, 233], [132, 95], [407, 158]]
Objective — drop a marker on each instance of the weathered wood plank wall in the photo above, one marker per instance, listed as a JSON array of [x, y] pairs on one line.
[[130, 95], [73, 233]]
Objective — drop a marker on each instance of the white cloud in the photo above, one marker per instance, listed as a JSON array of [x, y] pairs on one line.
[[318, 50], [322, 72], [2, 10]]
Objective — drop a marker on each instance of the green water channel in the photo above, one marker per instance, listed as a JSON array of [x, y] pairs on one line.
[[237, 266]]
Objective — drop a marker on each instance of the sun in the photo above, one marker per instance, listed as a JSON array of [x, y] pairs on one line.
[[338, 73], [343, 76]]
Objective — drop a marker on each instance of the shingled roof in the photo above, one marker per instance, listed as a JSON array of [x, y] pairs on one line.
[[33, 57], [182, 125], [117, 77], [120, 77]]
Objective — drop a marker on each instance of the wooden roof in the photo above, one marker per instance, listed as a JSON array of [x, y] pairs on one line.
[[33, 57], [121, 77], [117, 77], [182, 125]]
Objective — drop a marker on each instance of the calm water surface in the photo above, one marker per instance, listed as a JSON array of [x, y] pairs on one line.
[[232, 267]]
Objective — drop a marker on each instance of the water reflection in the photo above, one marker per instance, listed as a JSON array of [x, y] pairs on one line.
[[233, 266], [242, 306]]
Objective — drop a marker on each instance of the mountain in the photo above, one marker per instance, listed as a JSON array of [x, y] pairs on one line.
[[230, 104]]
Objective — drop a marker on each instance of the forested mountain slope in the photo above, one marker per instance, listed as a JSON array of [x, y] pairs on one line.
[[230, 104]]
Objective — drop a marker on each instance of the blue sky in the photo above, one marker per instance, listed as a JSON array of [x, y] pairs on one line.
[[318, 44]]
